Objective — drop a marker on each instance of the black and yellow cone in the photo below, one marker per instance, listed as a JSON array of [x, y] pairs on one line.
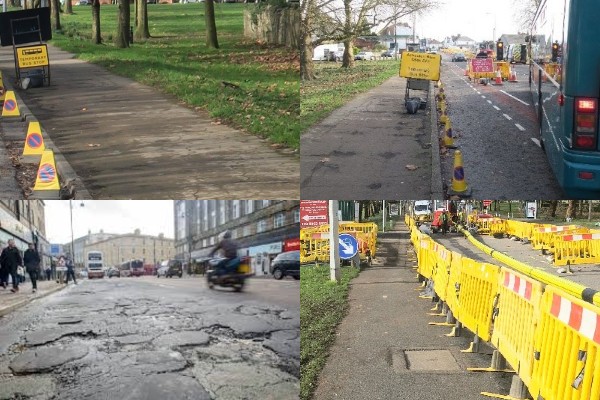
[[459, 184], [444, 116], [448, 140]]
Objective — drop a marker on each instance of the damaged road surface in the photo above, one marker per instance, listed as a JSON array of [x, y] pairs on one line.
[[132, 339]]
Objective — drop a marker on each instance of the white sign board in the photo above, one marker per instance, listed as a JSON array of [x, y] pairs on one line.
[[531, 211]]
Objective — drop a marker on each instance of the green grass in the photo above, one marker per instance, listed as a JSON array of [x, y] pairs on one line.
[[389, 221], [323, 305], [335, 86], [176, 61]]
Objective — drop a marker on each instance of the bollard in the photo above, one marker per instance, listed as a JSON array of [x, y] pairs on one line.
[[448, 138], [459, 184]]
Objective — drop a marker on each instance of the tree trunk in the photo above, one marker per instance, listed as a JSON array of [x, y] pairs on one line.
[[141, 20], [122, 37], [553, 207], [68, 7], [348, 61], [307, 68], [571, 209], [96, 34], [211, 26], [55, 14]]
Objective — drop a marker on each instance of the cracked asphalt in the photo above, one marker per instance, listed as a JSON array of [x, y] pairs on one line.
[[149, 338]]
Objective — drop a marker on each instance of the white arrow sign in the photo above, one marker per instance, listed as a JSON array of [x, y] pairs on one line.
[[347, 248], [314, 217]]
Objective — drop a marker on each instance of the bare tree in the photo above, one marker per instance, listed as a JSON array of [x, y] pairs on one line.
[[524, 12], [571, 208], [141, 20], [122, 37], [96, 34], [211, 26], [553, 207]]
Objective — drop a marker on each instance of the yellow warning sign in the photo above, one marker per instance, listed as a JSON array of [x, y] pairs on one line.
[[34, 142], [32, 56], [47, 177], [420, 66], [10, 107]]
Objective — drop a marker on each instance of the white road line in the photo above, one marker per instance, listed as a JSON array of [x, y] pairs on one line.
[[536, 141], [478, 92], [520, 127], [482, 96], [497, 108], [507, 117], [489, 101], [510, 95]]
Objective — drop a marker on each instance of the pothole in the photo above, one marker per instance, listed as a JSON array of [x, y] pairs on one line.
[[423, 360]]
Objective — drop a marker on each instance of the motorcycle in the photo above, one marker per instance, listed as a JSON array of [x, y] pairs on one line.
[[236, 281]]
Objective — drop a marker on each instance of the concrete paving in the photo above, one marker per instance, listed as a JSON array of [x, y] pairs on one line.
[[127, 140], [385, 348], [11, 301], [362, 150]]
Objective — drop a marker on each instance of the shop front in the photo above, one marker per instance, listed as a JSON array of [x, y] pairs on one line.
[[262, 256]]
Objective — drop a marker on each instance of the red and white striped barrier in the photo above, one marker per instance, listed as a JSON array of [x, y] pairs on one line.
[[582, 236], [520, 286], [581, 319]]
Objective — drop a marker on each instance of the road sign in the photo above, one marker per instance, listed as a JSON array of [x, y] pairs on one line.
[[487, 203], [54, 249], [46, 173], [482, 65], [10, 105], [313, 213], [420, 66], [32, 56], [348, 246], [34, 140]]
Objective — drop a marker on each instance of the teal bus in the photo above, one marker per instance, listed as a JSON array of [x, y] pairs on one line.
[[564, 78]]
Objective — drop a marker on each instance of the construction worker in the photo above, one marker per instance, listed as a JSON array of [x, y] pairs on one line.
[[444, 217]]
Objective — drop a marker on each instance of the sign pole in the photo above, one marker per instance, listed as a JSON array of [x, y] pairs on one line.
[[334, 250], [383, 216]]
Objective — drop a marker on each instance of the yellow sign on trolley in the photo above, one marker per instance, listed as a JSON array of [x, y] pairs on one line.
[[32, 56], [420, 66]]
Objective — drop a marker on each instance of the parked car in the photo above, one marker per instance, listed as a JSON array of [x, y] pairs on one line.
[[364, 55], [114, 272], [162, 271], [458, 57], [85, 2], [388, 54], [286, 264]]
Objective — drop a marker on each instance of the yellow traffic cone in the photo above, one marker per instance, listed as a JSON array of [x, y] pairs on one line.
[[448, 138], [444, 116], [459, 184]]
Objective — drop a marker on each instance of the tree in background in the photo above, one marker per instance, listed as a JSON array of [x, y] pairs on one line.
[[211, 26], [68, 7], [96, 34], [524, 12], [141, 20], [55, 14], [122, 37]]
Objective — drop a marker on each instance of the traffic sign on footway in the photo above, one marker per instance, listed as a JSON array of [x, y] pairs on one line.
[[348, 246], [314, 213]]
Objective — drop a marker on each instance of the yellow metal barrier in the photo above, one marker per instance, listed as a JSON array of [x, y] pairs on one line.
[[427, 257], [477, 290], [517, 312], [577, 249], [567, 349], [453, 286], [441, 270], [543, 237]]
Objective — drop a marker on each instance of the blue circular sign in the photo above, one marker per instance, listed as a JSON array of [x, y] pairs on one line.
[[10, 105], [348, 246], [459, 173], [46, 173], [34, 140]]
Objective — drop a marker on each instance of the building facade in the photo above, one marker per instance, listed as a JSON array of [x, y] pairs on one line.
[[80, 244], [24, 221], [263, 228], [117, 249]]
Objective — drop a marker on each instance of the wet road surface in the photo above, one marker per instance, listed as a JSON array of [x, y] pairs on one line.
[[154, 339]]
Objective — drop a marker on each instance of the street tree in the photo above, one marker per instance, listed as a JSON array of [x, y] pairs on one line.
[[68, 6], [55, 14], [211, 26], [141, 20], [122, 37], [96, 34], [524, 12]]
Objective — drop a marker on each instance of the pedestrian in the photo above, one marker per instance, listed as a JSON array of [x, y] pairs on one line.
[[3, 273], [32, 260], [11, 258], [48, 272], [444, 218], [70, 271]]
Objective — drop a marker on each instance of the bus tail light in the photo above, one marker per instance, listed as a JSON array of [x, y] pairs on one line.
[[586, 123]]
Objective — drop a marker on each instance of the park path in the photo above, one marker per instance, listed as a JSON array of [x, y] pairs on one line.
[[127, 140]]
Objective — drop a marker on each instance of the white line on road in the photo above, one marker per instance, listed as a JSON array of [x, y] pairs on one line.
[[482, 96], [510, 95], [520, 127], [478, 92], [489, 101], [536, 141], [507, 117], [497, 108]]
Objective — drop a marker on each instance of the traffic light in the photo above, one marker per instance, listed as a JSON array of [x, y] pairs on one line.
[[499, 51], [555, 47]]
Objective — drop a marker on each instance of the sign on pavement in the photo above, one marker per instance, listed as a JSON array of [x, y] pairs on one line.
[[314, 213], [487, 203], [482, 65], [348, 246], [420, 66]]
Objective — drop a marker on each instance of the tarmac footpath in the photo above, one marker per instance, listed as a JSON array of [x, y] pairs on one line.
[[385, 348], [126, 140], [10, 301]]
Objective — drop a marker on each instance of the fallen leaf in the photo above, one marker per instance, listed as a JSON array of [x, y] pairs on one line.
[[93, 145], [411, 167], [324, 160], [84, 109]]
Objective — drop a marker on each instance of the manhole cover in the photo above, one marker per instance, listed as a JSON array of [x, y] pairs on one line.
[[424, 360]]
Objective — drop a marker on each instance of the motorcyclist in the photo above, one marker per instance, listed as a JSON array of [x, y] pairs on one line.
[[229, 249]]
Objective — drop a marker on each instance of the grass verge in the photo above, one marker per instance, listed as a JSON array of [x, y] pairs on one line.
[[335, 86], [265, 99], [323, 305]]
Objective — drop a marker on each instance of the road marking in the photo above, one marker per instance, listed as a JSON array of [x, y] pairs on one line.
[[520, 127], [482, 96], [507, 117], [537, 142], [489, 101], [497, 108], [510, 95]]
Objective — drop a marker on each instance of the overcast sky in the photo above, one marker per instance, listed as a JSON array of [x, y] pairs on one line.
[[468, 17], [113, 216]]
